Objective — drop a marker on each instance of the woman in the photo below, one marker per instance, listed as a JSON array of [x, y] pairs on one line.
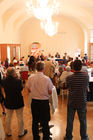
[[13, 101]]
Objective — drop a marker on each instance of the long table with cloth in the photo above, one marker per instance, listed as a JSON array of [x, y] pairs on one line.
[[90, 92]]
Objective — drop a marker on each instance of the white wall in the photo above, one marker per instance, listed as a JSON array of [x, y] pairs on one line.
[[8, 36], [70, 37]]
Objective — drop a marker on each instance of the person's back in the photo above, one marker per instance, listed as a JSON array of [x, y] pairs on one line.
[[13, 88], [6, 63], [32, 63], [39, 85], [49, 69], [77, 86], [40, 88], [13, 101], [65, 74], [63, 77]]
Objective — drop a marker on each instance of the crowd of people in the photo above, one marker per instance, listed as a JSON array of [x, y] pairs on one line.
[[44, 72]]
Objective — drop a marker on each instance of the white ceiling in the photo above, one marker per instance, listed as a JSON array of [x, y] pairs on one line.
[[14, 12]]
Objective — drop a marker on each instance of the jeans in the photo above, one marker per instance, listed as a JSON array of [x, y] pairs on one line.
[[82, 119]]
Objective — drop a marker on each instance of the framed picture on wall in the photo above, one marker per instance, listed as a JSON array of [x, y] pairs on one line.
[[35, 48]]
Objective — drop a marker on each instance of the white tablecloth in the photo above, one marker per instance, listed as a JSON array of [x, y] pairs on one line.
[[54, 100], [90, 75], [2, 133]]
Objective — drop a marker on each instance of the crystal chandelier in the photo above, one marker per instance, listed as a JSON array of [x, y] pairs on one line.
[[50, 27], [44, 10]]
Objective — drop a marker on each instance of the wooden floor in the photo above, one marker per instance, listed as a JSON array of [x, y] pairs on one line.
[[58, 119]]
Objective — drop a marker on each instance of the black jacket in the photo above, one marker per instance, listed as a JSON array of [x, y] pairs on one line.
[[13, 96]]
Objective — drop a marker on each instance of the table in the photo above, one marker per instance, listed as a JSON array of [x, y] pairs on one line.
[[90, 92]]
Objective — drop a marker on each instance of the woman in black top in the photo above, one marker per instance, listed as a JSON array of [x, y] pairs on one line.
[[13, 101]]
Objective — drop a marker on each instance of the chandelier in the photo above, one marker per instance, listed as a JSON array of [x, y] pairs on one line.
[[44, 11]]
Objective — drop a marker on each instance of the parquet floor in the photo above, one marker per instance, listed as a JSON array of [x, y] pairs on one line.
[[58, 119]]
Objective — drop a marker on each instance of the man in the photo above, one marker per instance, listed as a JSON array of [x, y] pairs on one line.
[[49, 69], [40, 87], [65, 74], [86, 57], [13, 101], [77, 84]]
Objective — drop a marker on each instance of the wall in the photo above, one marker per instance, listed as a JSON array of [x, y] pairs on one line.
[[70, 37], [8, 35]]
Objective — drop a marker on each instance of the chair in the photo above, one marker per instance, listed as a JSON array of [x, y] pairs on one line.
[[24, 75], [15, 64]]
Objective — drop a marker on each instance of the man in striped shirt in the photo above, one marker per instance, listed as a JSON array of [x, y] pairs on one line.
[[77, 84]]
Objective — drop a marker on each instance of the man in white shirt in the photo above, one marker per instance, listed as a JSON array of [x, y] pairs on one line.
[[40, 87]]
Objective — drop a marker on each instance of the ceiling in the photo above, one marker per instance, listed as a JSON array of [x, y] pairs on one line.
[[13, 12]]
